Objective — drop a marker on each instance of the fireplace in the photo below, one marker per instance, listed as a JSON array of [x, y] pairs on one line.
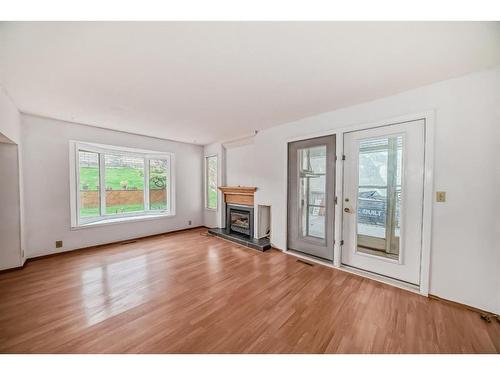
[[239, 220]]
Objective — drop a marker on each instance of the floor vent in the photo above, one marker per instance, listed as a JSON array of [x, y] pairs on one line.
[[304, 262]]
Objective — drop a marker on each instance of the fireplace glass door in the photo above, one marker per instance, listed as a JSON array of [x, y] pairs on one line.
[[240, 221]]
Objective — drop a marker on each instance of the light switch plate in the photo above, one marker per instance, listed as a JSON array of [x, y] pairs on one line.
[[440, 196]]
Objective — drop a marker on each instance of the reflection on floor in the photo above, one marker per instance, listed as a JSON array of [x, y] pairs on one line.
[[192, 293]]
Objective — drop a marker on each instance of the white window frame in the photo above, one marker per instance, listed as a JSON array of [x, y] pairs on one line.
[[216, 156], [146, 214]]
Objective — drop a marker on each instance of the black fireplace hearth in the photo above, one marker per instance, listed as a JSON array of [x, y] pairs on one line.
[[240, 228]]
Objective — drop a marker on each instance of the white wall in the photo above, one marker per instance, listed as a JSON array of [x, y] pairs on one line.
[[236, 159], [240, 164], [12, 236], [47, 192], [9, 118], [465, 255]]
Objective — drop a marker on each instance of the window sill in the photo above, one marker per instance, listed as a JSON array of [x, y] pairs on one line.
[[121, 220], [211, 209]]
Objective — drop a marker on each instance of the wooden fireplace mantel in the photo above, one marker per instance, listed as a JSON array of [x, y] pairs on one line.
[[238, 194]]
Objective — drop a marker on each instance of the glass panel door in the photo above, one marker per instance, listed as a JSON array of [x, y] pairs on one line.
[[312, 194], [382, 200], [379, 196]]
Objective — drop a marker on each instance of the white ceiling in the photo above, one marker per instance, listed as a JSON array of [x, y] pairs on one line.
[[199, 82]]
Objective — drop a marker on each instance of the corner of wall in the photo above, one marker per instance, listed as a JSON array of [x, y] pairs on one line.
[[10, 128]]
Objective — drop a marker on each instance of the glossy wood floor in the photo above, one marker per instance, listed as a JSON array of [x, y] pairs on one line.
[[190, 293]]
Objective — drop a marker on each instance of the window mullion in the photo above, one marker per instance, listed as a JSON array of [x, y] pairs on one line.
[[102, 185], [391, 192]]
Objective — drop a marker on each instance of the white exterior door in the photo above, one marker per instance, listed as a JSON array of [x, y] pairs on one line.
[[383, 200]]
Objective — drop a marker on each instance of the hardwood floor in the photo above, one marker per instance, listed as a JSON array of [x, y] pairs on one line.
[[191, 293]]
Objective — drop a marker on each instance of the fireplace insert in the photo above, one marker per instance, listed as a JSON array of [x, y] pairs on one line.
[[239, 220]]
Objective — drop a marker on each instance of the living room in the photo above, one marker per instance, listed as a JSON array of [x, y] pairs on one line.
[[249, 187]]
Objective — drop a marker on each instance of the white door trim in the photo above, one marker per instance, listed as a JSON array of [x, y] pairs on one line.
[[429, 119]]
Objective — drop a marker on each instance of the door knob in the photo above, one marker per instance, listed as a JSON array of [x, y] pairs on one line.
[[347, 210]]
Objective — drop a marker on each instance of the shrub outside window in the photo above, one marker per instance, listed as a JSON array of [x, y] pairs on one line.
[[211, 192]]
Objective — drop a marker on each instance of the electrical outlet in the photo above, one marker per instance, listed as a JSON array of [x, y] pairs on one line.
[[440, 196], [189, 222], [59, 244]]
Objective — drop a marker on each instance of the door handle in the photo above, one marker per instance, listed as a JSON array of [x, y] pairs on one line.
[[347, 210]]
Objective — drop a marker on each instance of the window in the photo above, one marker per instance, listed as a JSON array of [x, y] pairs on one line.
[[89, 184], [111, 184], [211, 182], [312, 190], [158, 184], [124, 183], [379, 195]]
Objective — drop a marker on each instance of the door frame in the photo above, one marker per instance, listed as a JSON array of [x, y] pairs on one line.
[[427, 203], [330, 201]]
